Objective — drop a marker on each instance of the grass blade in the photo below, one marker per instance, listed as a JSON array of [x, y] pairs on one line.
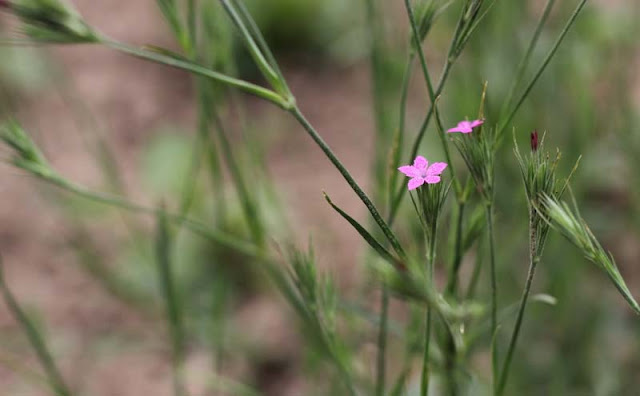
[[172, 302], [35, 338]]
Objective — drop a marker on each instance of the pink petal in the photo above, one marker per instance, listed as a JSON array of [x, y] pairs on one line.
[[436, 168], [415, 183], [421, 163], [466, 126], [432, 179], [410, 171]]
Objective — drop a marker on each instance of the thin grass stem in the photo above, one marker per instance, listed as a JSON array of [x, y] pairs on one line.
[[194, 68], [494, 288], [522, 67], [544, 65], [431, 256], [383, 329], [173, 306], [533, 261], [452, 283], [350, 180], [36, 340]]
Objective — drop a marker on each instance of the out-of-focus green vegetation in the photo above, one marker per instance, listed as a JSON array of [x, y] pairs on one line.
[[589, 341]]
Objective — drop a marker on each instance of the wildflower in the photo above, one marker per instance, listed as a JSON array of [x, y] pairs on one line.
[[420, 172], [466, 126]]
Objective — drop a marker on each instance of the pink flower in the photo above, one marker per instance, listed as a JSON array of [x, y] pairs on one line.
[[420, 172], [466, 126]]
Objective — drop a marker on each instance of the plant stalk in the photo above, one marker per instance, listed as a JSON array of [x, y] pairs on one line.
[[350, 180], [382, 343], [533, 261], [494, 288], [56, 381], [431, 256]]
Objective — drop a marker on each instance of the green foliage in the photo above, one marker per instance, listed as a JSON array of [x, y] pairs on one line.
[[52, 21], [575, 229]]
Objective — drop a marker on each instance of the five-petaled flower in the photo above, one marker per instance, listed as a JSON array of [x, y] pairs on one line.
[[420, 172], [466, 126]]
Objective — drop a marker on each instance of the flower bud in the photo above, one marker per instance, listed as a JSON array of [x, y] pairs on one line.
[[534, 141]]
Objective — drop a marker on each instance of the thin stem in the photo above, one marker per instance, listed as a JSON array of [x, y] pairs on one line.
[[254, 49], [522, 67], [424, 382], [382, 343], [395, 204], [432, 94], [173, 315], [191, 67], [418, 44], [384, 314], [195, 226], [350, 180], [477, 269], [248, 204], [544, 65], [533, 261], [494, 287], [431, 256], [35, 339], [399, 139], [452, 284]]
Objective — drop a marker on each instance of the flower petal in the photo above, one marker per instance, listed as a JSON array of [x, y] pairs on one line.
[[421, 163], [410, 171], [436, 168], [432, 179], [476, 123], [415, 183]]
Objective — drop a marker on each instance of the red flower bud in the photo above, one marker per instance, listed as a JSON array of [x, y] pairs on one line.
[[534, 141]]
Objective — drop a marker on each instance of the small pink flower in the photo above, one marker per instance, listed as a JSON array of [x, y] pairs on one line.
[[466, 126], [420, 172]]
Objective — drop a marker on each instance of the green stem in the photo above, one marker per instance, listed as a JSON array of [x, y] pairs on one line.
[[384, 314], [431, 256], [35, 339], [522, 67], [395, 204], [452, 285], [172, 304], [246, 200], [191, 67], [195, 226], [533, 261], [494, 287], [399, 139], [382, 343], [424, 382], [544, 65], [350, 180], [432, 97]]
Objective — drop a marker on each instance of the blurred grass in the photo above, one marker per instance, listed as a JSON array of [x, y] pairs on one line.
[[588, 344]]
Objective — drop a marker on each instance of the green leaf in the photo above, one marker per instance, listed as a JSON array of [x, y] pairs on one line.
[[384, 253]]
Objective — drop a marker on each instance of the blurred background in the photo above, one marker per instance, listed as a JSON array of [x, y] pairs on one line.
[[123, 125]]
